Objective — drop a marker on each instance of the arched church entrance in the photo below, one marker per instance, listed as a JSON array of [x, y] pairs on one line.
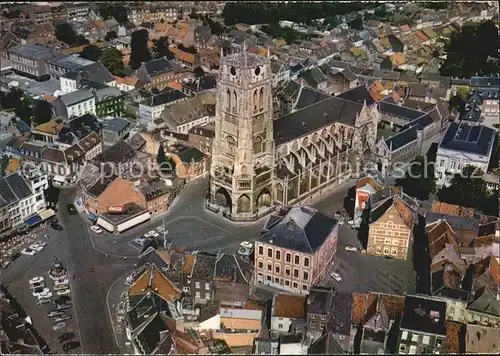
[[222, 198], [264, 198]]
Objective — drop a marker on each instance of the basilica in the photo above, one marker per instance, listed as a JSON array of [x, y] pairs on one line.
[[260, 163]]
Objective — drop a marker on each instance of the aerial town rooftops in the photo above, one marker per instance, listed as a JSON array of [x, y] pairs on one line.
[[32, 51], [465, 138], [424, 315]]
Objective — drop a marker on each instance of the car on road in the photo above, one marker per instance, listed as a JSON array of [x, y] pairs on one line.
[[351, 249], [63, 306], [63, 299], [41, 243], [245, 249], [63, 292], [151, 233], [39, 291], [36, 247], [59, 326], [28, 252], [71, 209], [5, 264], [70, 346], [61, 318], [36, 280], [65, 337], [336, 276], [47, 295], [96, 229], [61, 282], [55, 313], [56, 227]]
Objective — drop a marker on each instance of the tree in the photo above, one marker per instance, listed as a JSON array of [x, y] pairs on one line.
[[463, 92], [114, 10], [419, 181], [166, 165], [65, 33], [161, 48], [13, 99], [91, 52], [42, 112], [112, 58], [139, 48], [356, 23], [193, 14], [199, 72], [110, 35], [467, 53], [469, 189]]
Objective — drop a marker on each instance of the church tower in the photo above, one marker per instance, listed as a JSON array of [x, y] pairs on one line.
[[243, 148]]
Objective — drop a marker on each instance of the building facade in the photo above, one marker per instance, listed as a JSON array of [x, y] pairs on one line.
[[258, 163]]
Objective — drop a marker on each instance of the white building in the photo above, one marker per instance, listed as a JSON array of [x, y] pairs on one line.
[[19, 200], [38, 182], [77, 103], [463, 145]]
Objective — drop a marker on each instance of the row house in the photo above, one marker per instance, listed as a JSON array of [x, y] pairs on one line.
[[41, 14], [295, 249], [30, 60], [94, 75], [158, 73], [75, 104], [63, 63]]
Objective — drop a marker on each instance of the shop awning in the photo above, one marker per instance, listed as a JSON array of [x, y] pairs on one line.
[[105, 225], [47, 214], [33, 220], [133, 222], [92, 217]]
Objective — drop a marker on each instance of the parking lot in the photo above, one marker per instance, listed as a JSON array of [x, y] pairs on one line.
[[17, 277]]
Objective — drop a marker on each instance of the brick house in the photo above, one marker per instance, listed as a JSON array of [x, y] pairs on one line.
[[202, 138], [390, 228], [190, 162], [295, 249], [285, 310]]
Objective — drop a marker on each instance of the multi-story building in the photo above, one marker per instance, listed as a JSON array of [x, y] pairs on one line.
[[463, 145], [95, 75], [158, 73], [30, 61], [153, 12], [109, 102], [38, 182], [41, 14], [259, 163], [77, 103], [423, 326], [114, 130], [296, 249], [202, 137], [190, 162], [63, 63], [77, 11], [390, 228], [153, 106]]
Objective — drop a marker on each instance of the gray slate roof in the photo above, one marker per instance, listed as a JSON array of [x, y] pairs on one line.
[[76, 97], [32, 51], [107, 93], [13, 188], [465, 138], [116, 124], [302, 229]]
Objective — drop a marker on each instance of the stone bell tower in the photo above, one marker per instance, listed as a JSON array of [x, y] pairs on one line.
[[243, 148]]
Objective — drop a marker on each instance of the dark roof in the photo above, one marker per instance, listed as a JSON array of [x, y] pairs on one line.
[[471, 112], [398, 110], [302, 229], [95, 72], [230, 268], [485, 82], [99, 187], [358, 95], [319, 300], [151, 255], [456, 222], [18, 186], [7, 196], [309, 97], [485, 301], [314, 117], [154, 189], [326, 345], [136, 142], [159, 65], [204, 266], [424, 315], [206, 82], [206, 131], [465, 138], [119, 152], [167, 96], [402, 138], [83, 125], [340, 315], [187, 154], [152, 335], [116, 124]]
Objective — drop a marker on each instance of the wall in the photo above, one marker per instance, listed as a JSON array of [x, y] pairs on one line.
[[325, 256], [240, 324], [236, 339], [281, 324], [453, 161]]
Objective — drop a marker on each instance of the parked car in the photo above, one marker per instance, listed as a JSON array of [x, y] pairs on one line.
[[63, 292], [59, 326], [28, 252], [36, 247], [61, 287], [5, 264], [15, 256], [43, 301], [61, 282], [139, 241], [56, 227], [40, 290], [35, 280], [96, 229], [65, 337], [336, 276], [63, 306], [47, 295], [37, 285], [351, 249], [70, 346], [41, 243], [71, 209], [63, 299], [55, 313], [245, 249], [151, 233], [61, 318]]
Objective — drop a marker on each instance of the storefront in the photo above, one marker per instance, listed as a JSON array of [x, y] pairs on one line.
[[47, 214], [32, 221], [133, 222], [118, 223], [105, 225]]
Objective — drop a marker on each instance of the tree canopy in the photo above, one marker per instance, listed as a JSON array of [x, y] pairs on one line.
[[299, 12], [110, 35], [419, 181], [42, 112], [114, 10], [356, 23], [189, 49], [161, 48], [469, 49], [65, 33], [112, 58], [91, 52], [139, 48], [199, 72], [27, 109], [469, 189], [290, 35], [166, 164]]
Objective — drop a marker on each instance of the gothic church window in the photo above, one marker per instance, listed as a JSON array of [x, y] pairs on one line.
[[261, 99], [257, 144], [235, 102], [231, 145], [228, 95], [255, 101]]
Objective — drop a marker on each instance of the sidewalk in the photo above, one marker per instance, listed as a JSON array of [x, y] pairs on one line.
[[117, 306]]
